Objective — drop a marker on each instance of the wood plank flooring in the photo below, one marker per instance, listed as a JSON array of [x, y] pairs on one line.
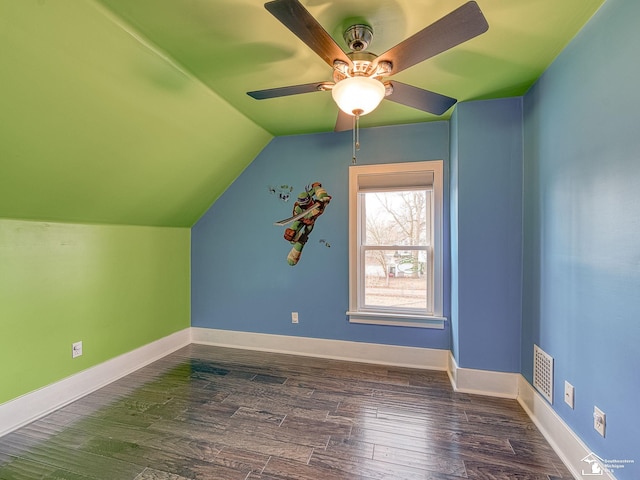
[[213, 413]]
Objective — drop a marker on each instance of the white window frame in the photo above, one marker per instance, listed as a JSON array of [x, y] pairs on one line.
[[358, 313]]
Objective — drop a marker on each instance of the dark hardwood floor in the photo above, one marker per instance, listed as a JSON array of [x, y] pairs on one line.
[[214, 413]]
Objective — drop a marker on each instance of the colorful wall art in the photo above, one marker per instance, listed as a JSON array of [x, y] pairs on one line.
[[306, 210]]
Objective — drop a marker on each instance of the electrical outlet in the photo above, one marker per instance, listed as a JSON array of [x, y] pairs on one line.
[[76, 349], [294, 317], [599, 420], [568, 393]]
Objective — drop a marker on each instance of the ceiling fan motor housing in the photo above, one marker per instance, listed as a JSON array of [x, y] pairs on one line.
[[358, 37]]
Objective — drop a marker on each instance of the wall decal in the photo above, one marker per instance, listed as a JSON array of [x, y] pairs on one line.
[[307, 208], [326, 244], [283, 192]]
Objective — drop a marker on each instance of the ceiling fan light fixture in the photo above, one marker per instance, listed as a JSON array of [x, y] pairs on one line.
[[358, 94]]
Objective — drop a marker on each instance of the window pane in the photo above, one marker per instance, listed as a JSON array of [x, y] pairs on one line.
[[395, 243], [397, 218], [396, 279]]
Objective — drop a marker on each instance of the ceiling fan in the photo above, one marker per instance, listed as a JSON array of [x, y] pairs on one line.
[[360, 76]]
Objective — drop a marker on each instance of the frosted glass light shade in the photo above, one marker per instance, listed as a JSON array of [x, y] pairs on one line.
[[358, 93]]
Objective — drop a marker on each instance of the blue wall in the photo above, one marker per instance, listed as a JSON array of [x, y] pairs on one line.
[[486, 225], [581, 299], [454, 236], [241, 281], [240, 277]]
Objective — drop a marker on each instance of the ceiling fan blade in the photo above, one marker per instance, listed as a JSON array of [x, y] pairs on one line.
[[296, 18], [286, 91], [419, 98], [464, 23], [343, 122]]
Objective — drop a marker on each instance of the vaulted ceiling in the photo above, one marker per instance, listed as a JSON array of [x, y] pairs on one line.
[[135, 111]]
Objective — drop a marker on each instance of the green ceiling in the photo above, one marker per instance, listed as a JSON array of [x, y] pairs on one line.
[[135, 111]]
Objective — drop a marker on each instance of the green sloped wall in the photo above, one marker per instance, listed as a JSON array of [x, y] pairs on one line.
[[98, 125]]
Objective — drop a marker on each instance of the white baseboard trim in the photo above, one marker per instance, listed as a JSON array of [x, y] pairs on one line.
[[569, 447], [413, 357], [31, 406], [482, 382]]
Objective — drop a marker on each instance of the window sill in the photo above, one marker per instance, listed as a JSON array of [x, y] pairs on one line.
[[397, 320]]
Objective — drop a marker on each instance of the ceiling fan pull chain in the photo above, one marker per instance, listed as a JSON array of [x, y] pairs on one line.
[[353, 134], [356, 134]]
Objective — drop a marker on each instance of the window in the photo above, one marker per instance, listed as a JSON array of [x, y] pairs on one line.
[[395, 244]]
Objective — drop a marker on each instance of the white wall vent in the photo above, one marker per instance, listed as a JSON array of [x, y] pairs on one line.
[[543, 373]]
